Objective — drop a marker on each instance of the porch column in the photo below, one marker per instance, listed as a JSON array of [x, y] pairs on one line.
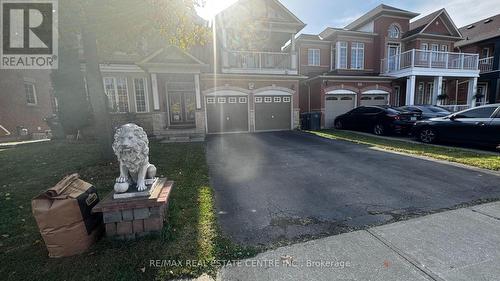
[[293, 53], [410, 90], [197, 89], [471, 100], [438, 87], [154, 87]]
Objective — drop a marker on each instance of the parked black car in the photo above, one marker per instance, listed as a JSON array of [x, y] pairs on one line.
[[427, 111], [379, 120], [479, 125]]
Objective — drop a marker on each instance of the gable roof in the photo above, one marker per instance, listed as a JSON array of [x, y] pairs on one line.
[[420, 25], [293, 18], [171, 55], [481, 30], [330, 31], [380, 9]]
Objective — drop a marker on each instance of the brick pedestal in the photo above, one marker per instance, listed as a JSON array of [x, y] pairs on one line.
[[135, 217]]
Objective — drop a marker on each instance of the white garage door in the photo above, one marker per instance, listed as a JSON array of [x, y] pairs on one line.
[[336, 105], [368, 100]]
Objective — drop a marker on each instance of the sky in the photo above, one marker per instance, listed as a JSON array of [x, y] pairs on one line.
[[318, 14]]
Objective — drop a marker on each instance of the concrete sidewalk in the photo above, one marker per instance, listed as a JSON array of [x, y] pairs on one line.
[[462, 244]]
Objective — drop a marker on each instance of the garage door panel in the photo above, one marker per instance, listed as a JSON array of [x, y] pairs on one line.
[[272, 113], [367, 100], [227, 114], [336, 105]]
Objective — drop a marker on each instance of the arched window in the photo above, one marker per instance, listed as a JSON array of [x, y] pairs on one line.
[[393, 31]]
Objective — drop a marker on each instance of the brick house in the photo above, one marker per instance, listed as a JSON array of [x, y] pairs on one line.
[[483, 38], [26, 99], [240, 82], [383, 58]]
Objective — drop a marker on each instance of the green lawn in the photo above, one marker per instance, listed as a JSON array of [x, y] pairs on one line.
[[485, 160], [191, 234]]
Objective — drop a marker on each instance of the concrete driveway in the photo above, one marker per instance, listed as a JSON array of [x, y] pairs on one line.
[[288, 186]]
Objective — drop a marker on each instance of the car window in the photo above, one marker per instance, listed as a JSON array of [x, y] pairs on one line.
[[483, 112], [372, 110], [393, 110], [358, 109]]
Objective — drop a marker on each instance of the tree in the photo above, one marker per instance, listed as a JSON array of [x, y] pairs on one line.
[[108, 26]]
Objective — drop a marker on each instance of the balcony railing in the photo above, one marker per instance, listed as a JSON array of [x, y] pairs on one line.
[[486, 64], [250, 61], [430, 59]]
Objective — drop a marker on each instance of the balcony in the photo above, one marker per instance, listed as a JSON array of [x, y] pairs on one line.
[[431, 63], [250, 62], [486, 64]]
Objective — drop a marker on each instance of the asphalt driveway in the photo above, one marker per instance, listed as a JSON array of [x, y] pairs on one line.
[[287, 186]]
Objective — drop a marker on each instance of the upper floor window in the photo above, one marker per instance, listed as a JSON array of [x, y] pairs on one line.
[[341, 54], [393, 31], [485, 53], [29, 89], [313, 57], [357, 55]]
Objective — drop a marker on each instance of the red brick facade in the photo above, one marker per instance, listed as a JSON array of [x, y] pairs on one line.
[[19, 112]]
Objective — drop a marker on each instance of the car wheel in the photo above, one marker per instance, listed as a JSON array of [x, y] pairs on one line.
[[427, 135], [338, 125], [379, 129]]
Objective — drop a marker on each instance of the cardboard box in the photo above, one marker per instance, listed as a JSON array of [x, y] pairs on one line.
[[65, 219]]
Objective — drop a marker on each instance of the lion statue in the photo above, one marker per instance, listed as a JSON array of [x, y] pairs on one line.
[[131, 147]]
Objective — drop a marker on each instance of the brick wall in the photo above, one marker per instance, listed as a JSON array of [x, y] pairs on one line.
[[15, 111]]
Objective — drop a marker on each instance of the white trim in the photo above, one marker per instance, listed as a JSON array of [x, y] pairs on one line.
[[273, 93], [154, 87], [197, 89], [341, 92], [375, 92], [226, 93], [127, 68]]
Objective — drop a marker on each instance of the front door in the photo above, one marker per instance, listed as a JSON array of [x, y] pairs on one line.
[[182, 108]]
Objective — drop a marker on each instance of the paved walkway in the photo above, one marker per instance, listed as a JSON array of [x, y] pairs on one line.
[[462, 244]]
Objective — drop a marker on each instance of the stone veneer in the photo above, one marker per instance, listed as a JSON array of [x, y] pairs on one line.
[[135, 217]]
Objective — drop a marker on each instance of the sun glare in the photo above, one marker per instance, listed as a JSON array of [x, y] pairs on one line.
[[212, 7]]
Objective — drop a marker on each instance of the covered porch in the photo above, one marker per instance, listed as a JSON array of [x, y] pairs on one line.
[[427, 76]]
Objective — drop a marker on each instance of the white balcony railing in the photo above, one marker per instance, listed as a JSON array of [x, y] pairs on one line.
[[430, 59], [486, 64], [455, 107], [250, 61]]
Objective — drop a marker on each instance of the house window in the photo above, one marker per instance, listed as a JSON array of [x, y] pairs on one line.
[[29, 89], [122, 92], [277, 99], [393, 31], [424, 54], [268, 99], [357, 55], [141, 103], [435, 49], [444, 48], [232, 100], [258, 99], [286, 99], [242, 100], [110, 91], [342, 55], [313, 57], [210, 100], [485, 53], [221, 100]]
